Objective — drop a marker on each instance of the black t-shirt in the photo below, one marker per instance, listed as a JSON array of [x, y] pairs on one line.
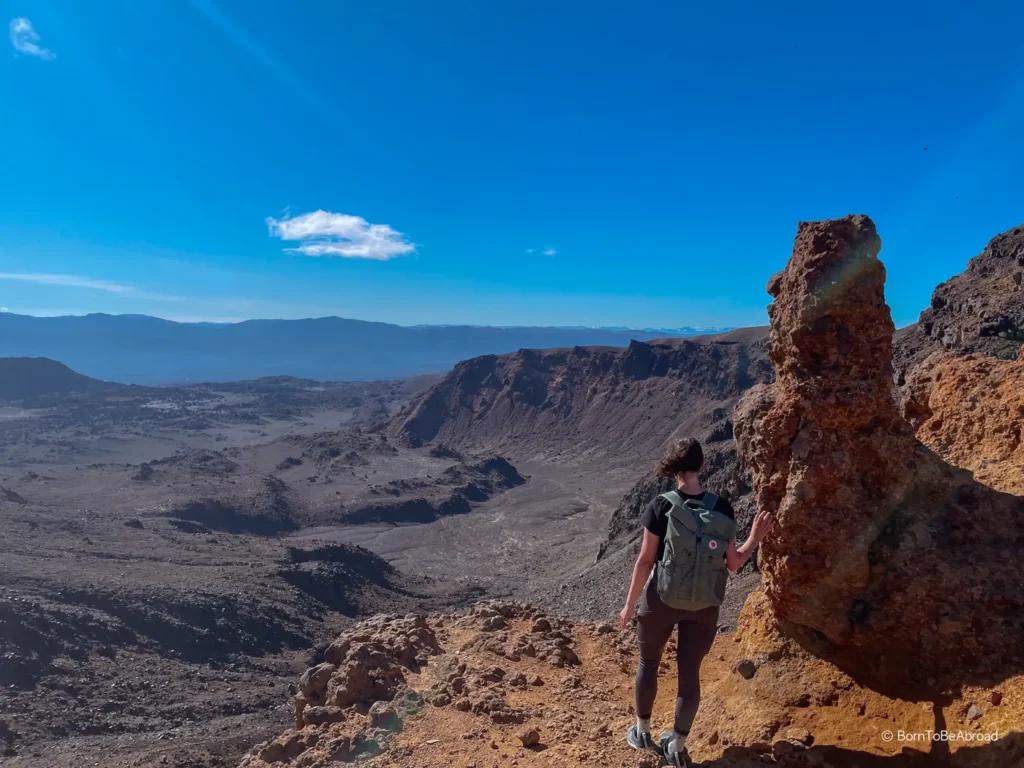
[[655, 515]]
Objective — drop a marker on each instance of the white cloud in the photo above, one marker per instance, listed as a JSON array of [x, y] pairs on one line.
[[529, 250], [4, 309], [77, 281], [322, 233], [549, 251], [25, 39]]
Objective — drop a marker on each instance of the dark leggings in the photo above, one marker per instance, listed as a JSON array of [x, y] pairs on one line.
[[654, 624]]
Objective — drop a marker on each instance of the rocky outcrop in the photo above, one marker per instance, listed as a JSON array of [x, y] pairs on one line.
[[6, 494], [392, 675], [875, 531], [421, 500], [980, 311]]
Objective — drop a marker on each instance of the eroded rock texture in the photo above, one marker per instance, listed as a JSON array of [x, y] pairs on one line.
[[970, 410], [888, 561], [979, 311]]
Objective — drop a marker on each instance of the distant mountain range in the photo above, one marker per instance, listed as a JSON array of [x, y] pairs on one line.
[[138, 349]]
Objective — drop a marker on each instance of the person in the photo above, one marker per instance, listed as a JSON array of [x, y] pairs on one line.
[[696, 620]]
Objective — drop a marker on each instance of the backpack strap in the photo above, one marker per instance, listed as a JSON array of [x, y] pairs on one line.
[[673, 498], [708, 501]]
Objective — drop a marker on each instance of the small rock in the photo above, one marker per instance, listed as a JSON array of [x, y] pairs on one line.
[[322, 715], [494, 675], [540, 625], [537, 681], [974, 712], [517, 680], [787, 746], [530, 738], [996, 698], [494, 624], [382, 715], [801, 737], [746, 669], [604, 629]]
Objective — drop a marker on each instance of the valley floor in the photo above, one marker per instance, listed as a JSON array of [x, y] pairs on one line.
[[164, 585]]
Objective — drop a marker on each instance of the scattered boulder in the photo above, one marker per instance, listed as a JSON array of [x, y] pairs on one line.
[[366, 663], [530, 738], [494, 624], [144, 473], [540, 625], [322, 715]]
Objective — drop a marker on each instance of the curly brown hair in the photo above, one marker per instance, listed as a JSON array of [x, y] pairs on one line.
[[683, 456]]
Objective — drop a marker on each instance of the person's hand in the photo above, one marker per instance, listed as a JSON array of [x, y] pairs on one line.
[[763, 522], [625, 616]]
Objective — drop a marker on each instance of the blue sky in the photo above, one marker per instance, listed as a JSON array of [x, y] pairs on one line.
[[569, 163]]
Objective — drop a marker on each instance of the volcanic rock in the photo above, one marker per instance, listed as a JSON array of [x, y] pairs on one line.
[[981, 310], [874, 530], [970, 411]]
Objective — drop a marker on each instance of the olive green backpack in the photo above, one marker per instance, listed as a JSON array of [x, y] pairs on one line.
[[692, 572]]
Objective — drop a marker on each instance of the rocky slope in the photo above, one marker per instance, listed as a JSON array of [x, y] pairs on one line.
[[505, 684], [980, 310], [600, 406]]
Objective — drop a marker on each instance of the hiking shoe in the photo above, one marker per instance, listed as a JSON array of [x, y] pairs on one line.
[[638, 740], [679, 759]]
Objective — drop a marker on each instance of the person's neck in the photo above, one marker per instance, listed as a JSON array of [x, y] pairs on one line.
[[689, 484]]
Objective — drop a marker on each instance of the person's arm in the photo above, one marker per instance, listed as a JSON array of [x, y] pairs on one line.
[[736, 557], [642, 569]]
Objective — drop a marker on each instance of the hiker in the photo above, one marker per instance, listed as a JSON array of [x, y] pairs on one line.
[[688, 548]]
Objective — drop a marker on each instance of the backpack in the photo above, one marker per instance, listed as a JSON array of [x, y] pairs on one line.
[[691, 574]]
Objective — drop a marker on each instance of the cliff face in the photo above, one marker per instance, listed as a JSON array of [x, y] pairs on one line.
[[586, 401], [875, 530]]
